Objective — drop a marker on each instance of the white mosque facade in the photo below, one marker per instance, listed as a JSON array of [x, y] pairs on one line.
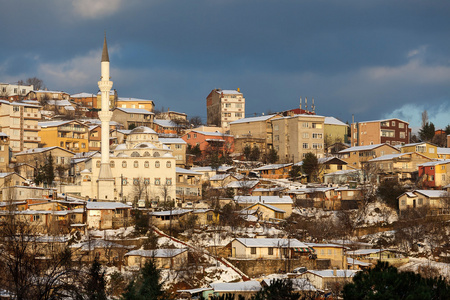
[[142, 168]]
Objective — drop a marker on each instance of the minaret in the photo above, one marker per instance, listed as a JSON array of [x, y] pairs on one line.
[[105, 182]]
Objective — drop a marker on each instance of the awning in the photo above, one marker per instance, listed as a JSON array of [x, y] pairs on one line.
[[304, 250]]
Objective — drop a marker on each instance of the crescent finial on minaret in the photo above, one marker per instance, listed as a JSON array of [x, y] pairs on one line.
[[105, 56]]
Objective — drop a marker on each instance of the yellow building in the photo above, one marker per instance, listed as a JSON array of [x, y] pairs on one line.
[[335, 131], [424, 148], [135, 103], [71, 135], [112, 99], [358, 155], [335, 253], [443, 153]]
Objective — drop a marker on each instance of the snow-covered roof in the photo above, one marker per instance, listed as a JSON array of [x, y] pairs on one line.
[[135, 111], [342, 172], [389, 156], [40, 150], [330, 273], [272, 167], [122, 99], [228, 92], [253, 119], [242, 184], [209, 133], [172, 141], [441, 150], [3, 134], [269, 207], [157, 252], [186, 171], [143, 145], [93, 244], [435, 163], [263, 199], [361, 148], [328, 245], [173, 212], [271, 242], [59, 102], [57, 123], [3, 175], [367, 251], [334, 121], [351, 261], [165, 123], [83, 95], [210, 169], [106, 205], [274, 189], [432, 193], [19, 104], [244, 286]]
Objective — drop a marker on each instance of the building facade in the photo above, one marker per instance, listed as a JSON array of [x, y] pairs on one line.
[[71, 135], [224, 106], [389, 131]]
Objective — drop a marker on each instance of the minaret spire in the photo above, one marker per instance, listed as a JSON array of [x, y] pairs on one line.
[[105, 182], [105, 56]]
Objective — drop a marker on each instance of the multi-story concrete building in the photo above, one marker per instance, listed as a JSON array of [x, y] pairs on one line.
[[253, 132], [50, 95], [424, 148], [335, 131], [85, 99], [358, 155], [296, 135], [14, 91], [435, 174], [20, 122], [389, 131], [135, 103], [133, 116], [224, 106], [4, 152], [71, 135]]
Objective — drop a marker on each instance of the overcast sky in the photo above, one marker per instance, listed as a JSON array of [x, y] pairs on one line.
[[370, 59]]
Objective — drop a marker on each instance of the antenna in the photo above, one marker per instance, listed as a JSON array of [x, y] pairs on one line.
[[313, 107], [306, 103], [300, 103]]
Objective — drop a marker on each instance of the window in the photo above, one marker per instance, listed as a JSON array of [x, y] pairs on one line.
[[168, 164], [393, 123], [136, 164], [253, 250], [97, 164], [157, 164], [402, 134], [112, 164], [316, 125], [238, 115], [188, 136], [275, 127], [276, 138], [16, 108], [178, 146], [136, 181], [443, 177], [209, 217], [124, 164], [317, 146], [83, 145], [403, 202], [238, 105], [431, 150], [168, 181], [420, 201], [270, 251], [36, 218], [388, 133], [124, 181], [305, 125], [305, 135], [157, 181], [146, 164], [401, 125], [305, 145], [227, 105], [317, 135], [61, 144], [146, 181], [146, 153]]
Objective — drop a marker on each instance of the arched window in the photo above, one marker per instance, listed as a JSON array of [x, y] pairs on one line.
[[168, 181], [97, 164], [112, 164], [156, 154], [135, 154], [136, 164], [157, 164], [168, 164], [136, 181], [146, 164], [124, 164], [146, 153], [168, 198]]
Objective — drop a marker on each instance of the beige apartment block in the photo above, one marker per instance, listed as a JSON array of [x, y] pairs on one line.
[[14, 91], [224, 106], [253, 132], [20, 122], [296, 135], [135, 103], [4, 152]]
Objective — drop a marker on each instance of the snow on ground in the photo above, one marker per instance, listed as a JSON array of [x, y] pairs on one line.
[[220, 273], [112, 234], [415, 263], [376, 213]]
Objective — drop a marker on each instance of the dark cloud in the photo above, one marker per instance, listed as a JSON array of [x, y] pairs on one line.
[[354, 57]]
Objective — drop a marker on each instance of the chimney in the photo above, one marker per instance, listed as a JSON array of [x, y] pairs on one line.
[[334, 271]]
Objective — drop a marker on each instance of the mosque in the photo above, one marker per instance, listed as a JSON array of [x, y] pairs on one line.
[[142, 168]]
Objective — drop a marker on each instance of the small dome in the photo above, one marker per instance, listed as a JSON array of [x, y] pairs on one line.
[[122, 155], [85, 171], [142, 129], [121, 147], [168, 154], [144, 145]]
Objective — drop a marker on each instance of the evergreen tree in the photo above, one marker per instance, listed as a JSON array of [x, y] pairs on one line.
[[255, 154], [426, 133], [310, 166], [146, 285], [49, 170], [385, 282], [247, 151], [271, 157], [295, 172], [96, 284], [278, 289]]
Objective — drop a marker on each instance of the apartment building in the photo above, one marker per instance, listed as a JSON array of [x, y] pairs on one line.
[[4, 152], [14, 91], [135, 103], [71, 135], [336, 131], [296, 135], [50, 95], [85, 99], [358, 155], [389, 131], [20, 122], [133, 117], [427, 149], [224, 106], [253, 132]]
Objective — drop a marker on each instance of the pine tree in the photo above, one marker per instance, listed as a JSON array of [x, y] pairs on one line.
[[96, 283], [146, 285], [310, 165]]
